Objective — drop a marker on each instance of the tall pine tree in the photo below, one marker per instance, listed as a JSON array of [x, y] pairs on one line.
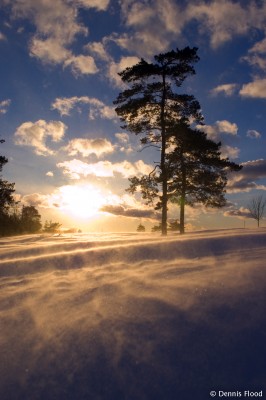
[[198, 172], [152, 102]]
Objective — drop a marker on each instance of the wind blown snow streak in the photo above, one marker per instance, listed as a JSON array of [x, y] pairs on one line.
[[132, 316]]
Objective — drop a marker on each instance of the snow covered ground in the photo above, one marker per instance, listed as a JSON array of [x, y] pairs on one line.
[[133, 316]]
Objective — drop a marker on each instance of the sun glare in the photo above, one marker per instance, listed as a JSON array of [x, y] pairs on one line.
[[80, 201]]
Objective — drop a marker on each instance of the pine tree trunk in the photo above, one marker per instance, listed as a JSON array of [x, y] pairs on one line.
[[183, 195], [182, 214], [163, 167]]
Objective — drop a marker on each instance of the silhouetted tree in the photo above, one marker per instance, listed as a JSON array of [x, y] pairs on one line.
[[174, 226], [141, 228], [6, 201], [51, 227], [257, 208], [30, 220], [157, 228], [197, 170], [151, 104]]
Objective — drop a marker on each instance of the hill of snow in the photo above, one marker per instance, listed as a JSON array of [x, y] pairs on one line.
[[133, 316]]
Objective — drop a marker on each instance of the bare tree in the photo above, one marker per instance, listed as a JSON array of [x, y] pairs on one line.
[[256, 208]]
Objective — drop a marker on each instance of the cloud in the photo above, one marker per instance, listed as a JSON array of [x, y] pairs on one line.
[[49, 50], [35, 134], [223, 131], [98, 49], [56, 28], [87, 147], [49, 173], [227, 89], [123, 142], [219, 127], [245, 180], [230, 151], [2, 36], [76, 169], [122, 137], [36, 200], [130, 212], [253, 134], [153, 24], [4, 104], [241, 213], [224, 19], [97, 109], [100, 5], [114, 68], [255, 89], [84, 65], [256, 56]]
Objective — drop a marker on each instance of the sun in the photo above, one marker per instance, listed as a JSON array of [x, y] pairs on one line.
[[80, 201]]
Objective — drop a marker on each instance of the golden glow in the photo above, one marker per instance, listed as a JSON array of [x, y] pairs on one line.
[[80, 201]]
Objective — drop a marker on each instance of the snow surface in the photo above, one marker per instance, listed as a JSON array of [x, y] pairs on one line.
[[132, 316]]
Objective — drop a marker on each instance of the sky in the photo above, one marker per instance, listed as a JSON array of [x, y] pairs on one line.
[[67, 152]]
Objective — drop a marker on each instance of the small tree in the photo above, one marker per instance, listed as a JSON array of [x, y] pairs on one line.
[[141, 228], [51, 227], [174, 226], [256, 208], [30, 219], [7, 222]]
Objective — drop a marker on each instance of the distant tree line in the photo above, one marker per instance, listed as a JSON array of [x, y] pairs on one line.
[[14, 219]]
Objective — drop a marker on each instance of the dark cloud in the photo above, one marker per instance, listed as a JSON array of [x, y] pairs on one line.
[[130, 212], [241, 213], [247, 178]]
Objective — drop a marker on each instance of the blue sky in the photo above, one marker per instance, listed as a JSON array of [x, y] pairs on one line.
[[67, 153]]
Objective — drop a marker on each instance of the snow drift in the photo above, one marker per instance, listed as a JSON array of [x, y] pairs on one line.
[[132, 316]]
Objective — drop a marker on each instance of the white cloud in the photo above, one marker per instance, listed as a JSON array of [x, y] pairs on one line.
[[35, 134], [100, 5], [89, 146], [81, 65], [221, 19], [223, 131], [76, 169], [49, 173], [219, 127], [256, 89], [156, 23], [257, 55], [49, 50], [227, 89], [230, 151], [153, 25], [122, 137], [36, 200], [57, 26], [97, 108], [4, 104], [114, 68], [124, 143], [98, 49], [253, 134]]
